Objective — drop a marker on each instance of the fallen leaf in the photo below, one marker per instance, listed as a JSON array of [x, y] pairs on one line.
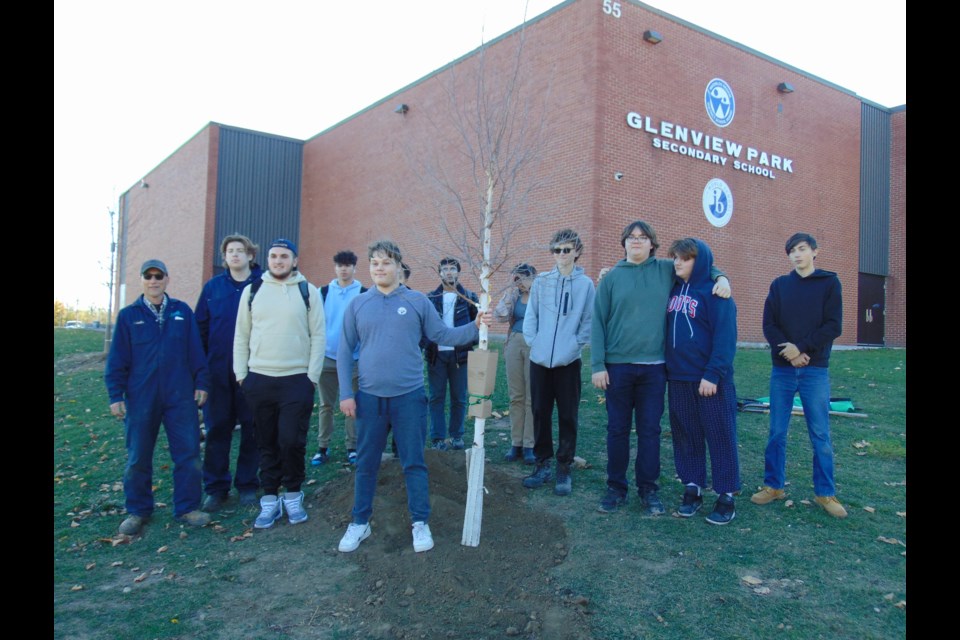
[[496, 414], [90, 566], [869, 509], [888, 597], [76, 587], [141, 577], [788, 503], [896, 484], [157, 572], [118, 563], [162, 549], [901, 605], [184, 535], [890, 540], [752, 580], [902, 514], [312, 481], [74, 524], [160, 505], [861, 444], [219, 528], [580, 463], [806, 502], [762, 590]]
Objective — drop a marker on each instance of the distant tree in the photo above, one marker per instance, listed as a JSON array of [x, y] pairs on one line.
[[60, 313]]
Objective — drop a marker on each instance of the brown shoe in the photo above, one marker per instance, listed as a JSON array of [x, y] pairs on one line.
[[767, 495], [132, 525], [195, 518], [832, 506]]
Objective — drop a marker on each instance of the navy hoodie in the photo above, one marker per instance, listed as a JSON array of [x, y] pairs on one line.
[[701, 328], [805, 311]]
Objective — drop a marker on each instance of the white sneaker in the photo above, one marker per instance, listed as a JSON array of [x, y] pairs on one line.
[[422, 538], [293, 503], [270, 511], [356, 533]]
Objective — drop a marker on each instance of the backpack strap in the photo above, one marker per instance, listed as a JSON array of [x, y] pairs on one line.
[[304, 292], [323, 292]]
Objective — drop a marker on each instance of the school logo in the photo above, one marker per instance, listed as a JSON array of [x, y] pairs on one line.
[[402, 311], [719, 102], [717, 202]]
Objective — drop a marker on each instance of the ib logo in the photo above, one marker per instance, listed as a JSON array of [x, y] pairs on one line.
[[717, 202], [402, 311], [719, 102]]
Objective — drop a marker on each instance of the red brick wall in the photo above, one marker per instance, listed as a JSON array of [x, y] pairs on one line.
[[171, 219], [368, 177], [895, 322], [363, 179]]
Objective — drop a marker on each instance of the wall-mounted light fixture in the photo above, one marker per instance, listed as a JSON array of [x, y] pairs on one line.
[[653, 37], [402, 109], [785, 87]]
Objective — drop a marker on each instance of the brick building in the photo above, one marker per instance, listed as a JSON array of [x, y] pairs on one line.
[[632, 116]]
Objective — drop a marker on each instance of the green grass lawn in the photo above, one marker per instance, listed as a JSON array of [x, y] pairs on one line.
[[785, 570]]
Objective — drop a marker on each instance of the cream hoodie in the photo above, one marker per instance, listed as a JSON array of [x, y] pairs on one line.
[[278, 337]]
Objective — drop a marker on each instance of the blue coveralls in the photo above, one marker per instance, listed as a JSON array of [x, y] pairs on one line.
[[226, 407], [155, 367]]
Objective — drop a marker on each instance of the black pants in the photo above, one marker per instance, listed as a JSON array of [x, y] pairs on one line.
[[560, 385], [281, 409]]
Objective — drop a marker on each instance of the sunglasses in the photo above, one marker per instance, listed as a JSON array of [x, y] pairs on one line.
[[559, 250], [153, 276]]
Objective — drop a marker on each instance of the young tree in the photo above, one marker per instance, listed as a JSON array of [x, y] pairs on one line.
[[498, 126]]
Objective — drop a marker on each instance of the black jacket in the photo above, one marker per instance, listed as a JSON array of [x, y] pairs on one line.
[[463, 313]]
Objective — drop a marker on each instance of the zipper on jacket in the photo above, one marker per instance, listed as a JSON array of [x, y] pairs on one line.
[[556, 326]]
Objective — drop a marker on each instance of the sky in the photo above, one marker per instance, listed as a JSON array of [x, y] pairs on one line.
[[134, 80]]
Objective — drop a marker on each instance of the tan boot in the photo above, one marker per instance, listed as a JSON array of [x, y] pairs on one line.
[[132, 525], [195, 518], [767, 495], [832, 506]]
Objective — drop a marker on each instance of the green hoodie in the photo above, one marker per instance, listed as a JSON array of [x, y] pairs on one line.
[[629, 311]]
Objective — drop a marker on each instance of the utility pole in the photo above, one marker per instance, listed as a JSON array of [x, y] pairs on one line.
[[108, 334]]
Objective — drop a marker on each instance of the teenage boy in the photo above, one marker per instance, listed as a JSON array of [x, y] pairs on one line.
[[388, 322], [227, 407], [701, 344], [556, 326], [628, 362], [802, 317], [156, 372], [447, 364], [277, 357], [336, 296]]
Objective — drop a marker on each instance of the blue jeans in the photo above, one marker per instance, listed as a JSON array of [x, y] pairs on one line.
[[225, 408], [408, 416], [442, 372], [635, 391], [182, 426], [813, 383]]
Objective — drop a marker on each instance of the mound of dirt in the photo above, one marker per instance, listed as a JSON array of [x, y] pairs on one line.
[[501, 588]]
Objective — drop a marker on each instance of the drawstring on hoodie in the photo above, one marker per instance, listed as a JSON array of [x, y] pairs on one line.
[[681, 308]]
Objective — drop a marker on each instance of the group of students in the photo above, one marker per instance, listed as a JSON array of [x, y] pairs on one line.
[[657, 323], [261, 342]]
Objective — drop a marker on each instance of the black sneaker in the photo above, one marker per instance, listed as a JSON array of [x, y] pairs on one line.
[[540, 476], [652, 505], [513, 454], [723, 511], [213, 502], [692, 501], [439, 445], [564, 484], [612, 501]]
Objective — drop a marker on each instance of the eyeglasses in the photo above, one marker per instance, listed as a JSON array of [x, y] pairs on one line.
[[153, 276], [559, 250], [637, 238]]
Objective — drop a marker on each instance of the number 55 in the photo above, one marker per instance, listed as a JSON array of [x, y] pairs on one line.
[[611, 8]]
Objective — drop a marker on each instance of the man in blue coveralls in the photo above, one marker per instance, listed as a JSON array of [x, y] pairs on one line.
[[156, 372]]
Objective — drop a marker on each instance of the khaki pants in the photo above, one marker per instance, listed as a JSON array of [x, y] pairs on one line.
[[517, 356], [330, 398]]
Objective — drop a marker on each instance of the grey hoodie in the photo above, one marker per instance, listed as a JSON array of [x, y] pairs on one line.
[[557, 324]]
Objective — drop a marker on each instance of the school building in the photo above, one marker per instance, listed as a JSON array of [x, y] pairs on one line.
[[611, 116]]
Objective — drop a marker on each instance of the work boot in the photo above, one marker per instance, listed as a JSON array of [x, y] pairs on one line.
[[564, 484], [767, 495], [832, 506], [541, 475]]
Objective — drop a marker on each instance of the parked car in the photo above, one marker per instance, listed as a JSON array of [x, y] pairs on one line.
[[73, 324]]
